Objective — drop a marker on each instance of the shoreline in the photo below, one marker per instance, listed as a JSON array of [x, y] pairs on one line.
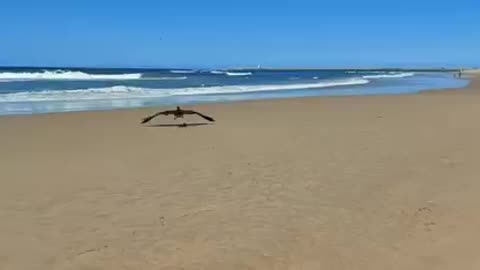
[[471, 75]]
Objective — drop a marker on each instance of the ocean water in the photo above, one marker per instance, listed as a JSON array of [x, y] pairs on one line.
[[39, 90]]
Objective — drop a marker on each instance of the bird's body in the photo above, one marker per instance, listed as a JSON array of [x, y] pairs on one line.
[[178, 113]]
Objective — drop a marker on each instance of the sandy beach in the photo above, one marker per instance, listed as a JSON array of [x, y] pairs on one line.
[[373, 182]]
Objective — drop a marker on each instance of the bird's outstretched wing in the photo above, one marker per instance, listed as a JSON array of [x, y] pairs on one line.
[[206, 117], [148, 118]]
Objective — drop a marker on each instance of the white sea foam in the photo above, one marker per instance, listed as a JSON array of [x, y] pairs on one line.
[[231, 89], [238, 73], [127, 92], [183, 71], [366, 72], [166, 78], [64, 75], [390, 75], [114, 92], [218, 72]]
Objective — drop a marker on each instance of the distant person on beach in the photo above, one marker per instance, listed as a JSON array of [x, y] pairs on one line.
[[458, 74]]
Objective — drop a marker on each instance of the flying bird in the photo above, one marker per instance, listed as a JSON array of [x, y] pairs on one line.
[[178, 113]]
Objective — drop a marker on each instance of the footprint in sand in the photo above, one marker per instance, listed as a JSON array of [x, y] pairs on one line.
[[425, 216]]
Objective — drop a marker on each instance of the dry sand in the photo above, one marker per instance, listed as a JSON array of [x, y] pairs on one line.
[[368, 183]]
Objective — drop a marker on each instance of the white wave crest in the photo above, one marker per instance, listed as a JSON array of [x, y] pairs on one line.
[[232, 89], [114, 92], [64, 75], [127, 92], [366, 72], [238, 73], [218, 72], [183, 71], [166, 78], [390, 75]]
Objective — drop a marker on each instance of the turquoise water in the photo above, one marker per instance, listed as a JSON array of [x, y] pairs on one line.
[[34, 90]]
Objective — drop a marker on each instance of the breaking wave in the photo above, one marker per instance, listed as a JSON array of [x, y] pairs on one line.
[[390, 75], [166, 78], [218, 72], [64, 75], [183, 71], [127, 92], [238, 73]]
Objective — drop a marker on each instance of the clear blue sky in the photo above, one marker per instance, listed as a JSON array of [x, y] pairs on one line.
[[224, 33]]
